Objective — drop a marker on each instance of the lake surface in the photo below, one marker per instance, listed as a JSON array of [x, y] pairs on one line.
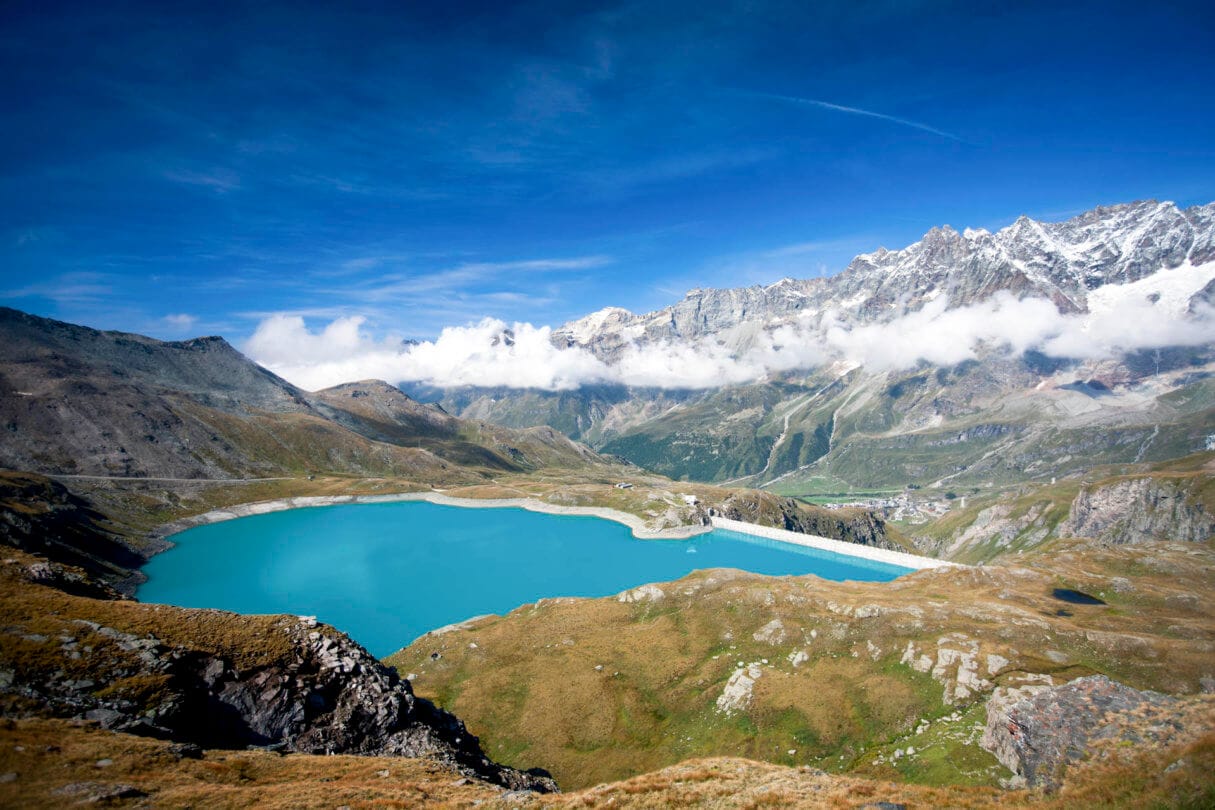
[[386, 573]]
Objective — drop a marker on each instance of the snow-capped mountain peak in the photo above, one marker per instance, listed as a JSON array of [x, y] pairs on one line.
[[1061, 262]]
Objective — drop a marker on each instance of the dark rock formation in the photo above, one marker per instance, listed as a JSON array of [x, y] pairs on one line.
[[41, 516], [1037, 731], [849, 525]]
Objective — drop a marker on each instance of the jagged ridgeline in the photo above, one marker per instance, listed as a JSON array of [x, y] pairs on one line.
[[835, 422]]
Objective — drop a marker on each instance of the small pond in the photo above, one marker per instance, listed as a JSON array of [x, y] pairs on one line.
[[388, 572]]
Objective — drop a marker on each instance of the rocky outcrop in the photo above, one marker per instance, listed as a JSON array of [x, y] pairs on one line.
[[1137, 510], [324, 694], [39, 515], [736, 695], [1038, 731], [956, 666], [849, 525]]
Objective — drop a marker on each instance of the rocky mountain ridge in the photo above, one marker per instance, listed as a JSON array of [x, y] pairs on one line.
[[1059, 261]]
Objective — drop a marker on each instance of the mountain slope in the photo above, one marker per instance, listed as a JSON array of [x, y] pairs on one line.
[[78, 401], [822, 420]]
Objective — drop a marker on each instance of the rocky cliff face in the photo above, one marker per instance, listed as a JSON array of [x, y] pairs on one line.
[[850, 525], [41, 516], [1138, 510], [218, 680]]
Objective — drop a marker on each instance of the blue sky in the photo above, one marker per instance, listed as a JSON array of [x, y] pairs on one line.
[[193, 171]]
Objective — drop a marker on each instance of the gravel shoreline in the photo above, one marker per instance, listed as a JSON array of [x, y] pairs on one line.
[[636, 524]]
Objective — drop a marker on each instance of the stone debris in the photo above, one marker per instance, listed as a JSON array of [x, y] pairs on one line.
[[771, 633], [736, 695]]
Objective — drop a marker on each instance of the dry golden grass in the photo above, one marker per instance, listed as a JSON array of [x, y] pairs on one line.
[[35, 617], [47, 756], [40, 758], [741, 784], [1179, 776]]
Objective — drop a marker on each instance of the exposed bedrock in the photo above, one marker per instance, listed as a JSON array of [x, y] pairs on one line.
[[1038, 731], [1138, 510], [849, 525], [322, 694]]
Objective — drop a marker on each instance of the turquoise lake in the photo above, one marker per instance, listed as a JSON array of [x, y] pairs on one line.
[[386, 573]]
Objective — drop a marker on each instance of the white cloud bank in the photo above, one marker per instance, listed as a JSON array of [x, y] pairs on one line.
[[478, 354]]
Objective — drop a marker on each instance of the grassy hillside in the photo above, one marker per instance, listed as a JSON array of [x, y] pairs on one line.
[[603, 689], [999, 422]]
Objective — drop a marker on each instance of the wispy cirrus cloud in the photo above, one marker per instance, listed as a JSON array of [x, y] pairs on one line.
[[827, 105], [488, 277], [542, 265], [217, 179], [67, 288]]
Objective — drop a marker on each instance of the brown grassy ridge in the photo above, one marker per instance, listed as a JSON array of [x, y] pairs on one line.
[[56, 762], [53, 762], [1176, 777], [600, 689]]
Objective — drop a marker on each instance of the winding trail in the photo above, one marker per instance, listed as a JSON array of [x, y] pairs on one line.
[[1143, 448]]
